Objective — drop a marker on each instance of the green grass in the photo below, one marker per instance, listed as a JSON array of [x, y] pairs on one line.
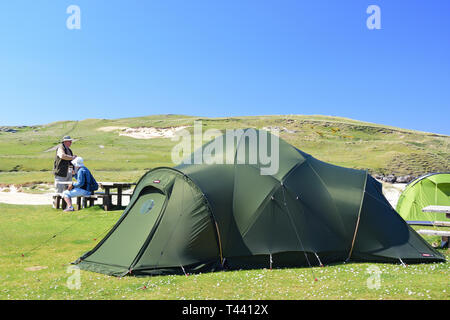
[[29, 230], [27, 155]]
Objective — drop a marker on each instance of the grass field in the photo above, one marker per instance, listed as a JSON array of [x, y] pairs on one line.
[[49, 240]]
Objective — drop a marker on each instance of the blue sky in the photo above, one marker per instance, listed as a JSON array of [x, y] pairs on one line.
[[226, 58]]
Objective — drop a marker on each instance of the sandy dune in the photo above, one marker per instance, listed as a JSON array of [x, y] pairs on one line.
[[145, 132], [393, 191], [111, 128]]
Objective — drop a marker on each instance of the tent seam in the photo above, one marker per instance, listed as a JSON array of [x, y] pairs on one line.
[[358, 219]]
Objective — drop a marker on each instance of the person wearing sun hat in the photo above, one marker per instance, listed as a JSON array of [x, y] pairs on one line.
[[62, 168], [84, 186]]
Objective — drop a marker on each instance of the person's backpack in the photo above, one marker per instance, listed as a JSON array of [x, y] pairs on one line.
[[94, 184], [91, 184]]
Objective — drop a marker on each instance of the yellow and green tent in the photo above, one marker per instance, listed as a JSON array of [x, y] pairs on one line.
[[430, 189]]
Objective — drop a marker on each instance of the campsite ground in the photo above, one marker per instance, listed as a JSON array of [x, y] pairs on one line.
[[49, 240]]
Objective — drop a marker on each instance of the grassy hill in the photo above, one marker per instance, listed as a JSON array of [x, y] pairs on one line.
[[27, 152]]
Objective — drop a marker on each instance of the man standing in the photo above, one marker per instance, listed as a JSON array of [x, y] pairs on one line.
[[62, 168]]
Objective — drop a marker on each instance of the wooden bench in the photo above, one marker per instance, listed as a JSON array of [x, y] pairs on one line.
[[81, 202], [429, 223], [438, 209], [58, 201], [443, 234], [86, 201]]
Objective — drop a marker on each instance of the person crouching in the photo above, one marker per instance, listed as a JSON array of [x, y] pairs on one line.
[[84, 186]]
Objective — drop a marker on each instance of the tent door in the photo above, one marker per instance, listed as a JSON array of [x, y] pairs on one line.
[[125, 242]]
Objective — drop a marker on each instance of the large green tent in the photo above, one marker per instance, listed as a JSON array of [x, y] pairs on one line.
[[205, 217], [430, 189]]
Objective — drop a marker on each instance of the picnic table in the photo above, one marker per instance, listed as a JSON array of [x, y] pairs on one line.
[[438, 209], [445, 235], [107, 194]]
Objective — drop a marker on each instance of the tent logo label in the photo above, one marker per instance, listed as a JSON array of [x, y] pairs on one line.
[[427, 255], [237, 146], [156, 181]]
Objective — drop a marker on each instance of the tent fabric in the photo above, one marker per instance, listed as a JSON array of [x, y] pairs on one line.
[[431, 189], [207, 217]]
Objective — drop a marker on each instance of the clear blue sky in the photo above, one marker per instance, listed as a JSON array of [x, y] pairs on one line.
[[226, 58]]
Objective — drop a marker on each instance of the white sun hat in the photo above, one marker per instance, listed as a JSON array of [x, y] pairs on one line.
[[78, 162]]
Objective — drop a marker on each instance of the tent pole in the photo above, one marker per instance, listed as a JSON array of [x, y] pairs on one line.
[[320, 262], [358, 219]]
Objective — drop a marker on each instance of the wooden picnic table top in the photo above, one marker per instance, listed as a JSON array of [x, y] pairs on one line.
[[116, 184], [439, 209], [106, 184]]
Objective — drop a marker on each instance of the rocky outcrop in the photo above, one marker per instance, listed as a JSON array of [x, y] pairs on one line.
[[7, 129], [391, 178]]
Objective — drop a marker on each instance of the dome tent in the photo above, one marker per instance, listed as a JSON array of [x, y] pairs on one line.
[[430, 189], [205, 217]]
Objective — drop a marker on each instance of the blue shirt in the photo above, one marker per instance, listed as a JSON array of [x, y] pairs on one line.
[[83, 178]]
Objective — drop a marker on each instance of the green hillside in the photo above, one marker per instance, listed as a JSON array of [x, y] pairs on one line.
[[27, 153]]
